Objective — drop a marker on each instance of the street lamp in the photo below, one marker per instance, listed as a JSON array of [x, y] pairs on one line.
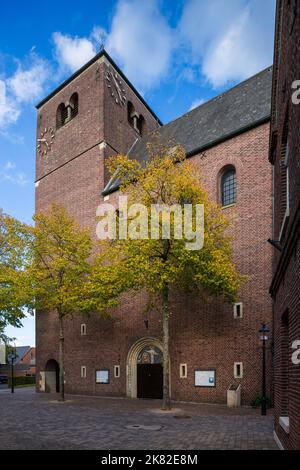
[[11, 358], [264, 338]]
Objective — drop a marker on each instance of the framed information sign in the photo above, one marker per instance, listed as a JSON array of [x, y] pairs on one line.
[[102, 376], [205, 378]]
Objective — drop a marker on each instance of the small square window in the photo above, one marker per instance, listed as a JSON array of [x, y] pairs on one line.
[[238, 310], [183, 371], [238, 370], [83, 372], [83, 329], [116, 372]]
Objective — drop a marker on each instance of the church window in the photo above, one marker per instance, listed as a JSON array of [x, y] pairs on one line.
[[142, 125], [228, 187], [284, 177], [136, 120], [117, 371], [83, 329], [83, 372], [66, 113], [74, 105], [130, 112], [61, 115], [150, 355], [183, 371], [238, 310], [238, 370]]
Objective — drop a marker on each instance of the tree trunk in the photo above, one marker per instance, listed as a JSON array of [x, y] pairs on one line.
[[166, 356], [61, 358]]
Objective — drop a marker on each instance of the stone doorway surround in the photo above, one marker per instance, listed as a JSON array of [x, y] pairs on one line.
[[131, 364]]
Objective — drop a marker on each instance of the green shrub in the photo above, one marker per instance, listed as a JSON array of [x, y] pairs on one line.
[[23, 380], [258, 401]]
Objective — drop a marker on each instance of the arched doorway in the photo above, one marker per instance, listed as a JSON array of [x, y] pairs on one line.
[[144, 369], [52, 376], [150, 373]]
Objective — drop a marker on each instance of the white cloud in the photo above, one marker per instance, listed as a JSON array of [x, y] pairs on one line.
[[73, 53], [229, 39], [197, 103], [142, 41], [27, 84], [20, 178], [9, 109], [6, 174], [9, 166], [98, 35]]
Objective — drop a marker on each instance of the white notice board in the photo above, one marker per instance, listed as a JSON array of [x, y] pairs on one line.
[[102, 376], [205, 378]]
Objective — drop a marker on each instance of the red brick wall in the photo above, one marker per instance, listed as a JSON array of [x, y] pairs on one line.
[[286, 272], [29, 356], [202, 335]]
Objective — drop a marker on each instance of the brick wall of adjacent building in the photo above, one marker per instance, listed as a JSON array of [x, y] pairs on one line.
[[204, 334], [285, 287]]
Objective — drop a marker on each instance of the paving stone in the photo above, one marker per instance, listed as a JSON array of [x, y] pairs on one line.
[[37, 421]]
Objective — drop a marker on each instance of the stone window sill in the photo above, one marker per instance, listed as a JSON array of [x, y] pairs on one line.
[[228, 206], [284, 422]]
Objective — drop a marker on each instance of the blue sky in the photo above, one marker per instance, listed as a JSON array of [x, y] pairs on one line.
[[178, 54]]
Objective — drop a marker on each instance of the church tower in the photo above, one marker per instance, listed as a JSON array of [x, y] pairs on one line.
[[94, 114]]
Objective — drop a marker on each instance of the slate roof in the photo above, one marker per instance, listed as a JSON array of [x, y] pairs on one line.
[[244, 106], [21, 351]]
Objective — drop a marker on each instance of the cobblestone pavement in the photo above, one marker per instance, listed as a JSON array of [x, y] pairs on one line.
[[39, 421]]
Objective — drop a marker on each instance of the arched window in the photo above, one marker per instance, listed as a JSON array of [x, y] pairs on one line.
[[130, 112], [61, 115], [150, 355], [228, 186], [74, 105], [67, 112], [136, 120], [142, 125]]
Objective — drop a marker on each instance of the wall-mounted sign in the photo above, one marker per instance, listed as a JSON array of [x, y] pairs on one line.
[[102, 376], [205, 378]]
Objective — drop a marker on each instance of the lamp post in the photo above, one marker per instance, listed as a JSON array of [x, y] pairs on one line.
[[264, 338], [11, 358]]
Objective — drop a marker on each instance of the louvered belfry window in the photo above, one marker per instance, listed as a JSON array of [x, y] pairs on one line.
[[284, 171], [74, 105], [228, 187], [61, 115], [65, 113]]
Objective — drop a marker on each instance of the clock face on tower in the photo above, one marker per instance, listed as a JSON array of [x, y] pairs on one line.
[[115, 85], [45, 141]]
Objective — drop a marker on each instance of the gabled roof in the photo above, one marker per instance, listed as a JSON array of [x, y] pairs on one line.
[[243, 107], [21, 351], [100, 54]]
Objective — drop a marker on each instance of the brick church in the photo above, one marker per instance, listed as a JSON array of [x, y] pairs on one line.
[[97, 113]]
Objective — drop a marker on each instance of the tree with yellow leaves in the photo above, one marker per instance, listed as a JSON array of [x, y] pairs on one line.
[[15, 295], [61, 249], [49, 267], [162, 257]]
